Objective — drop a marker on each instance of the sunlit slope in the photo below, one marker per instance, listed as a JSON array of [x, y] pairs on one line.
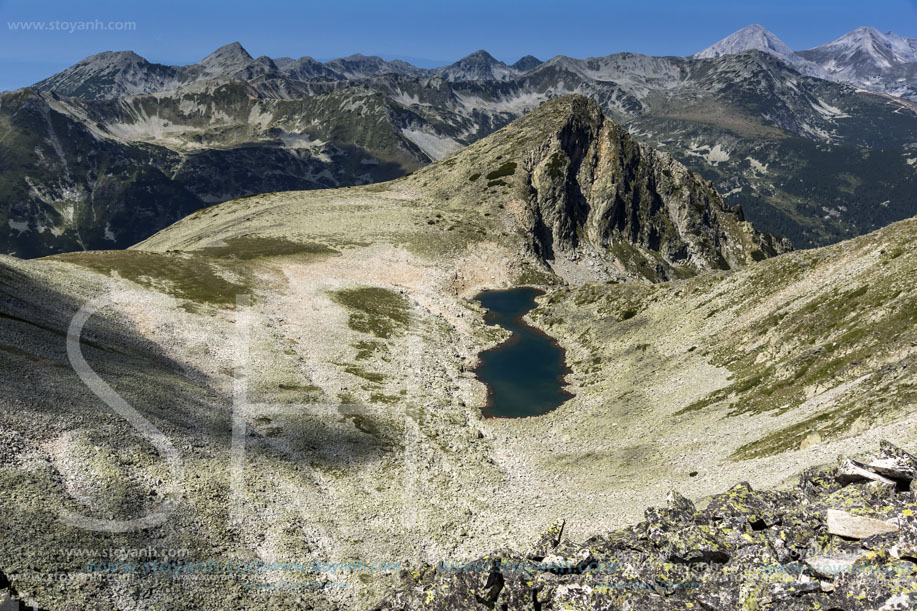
[[784, 355]]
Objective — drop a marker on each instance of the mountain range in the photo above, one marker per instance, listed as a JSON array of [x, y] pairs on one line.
[[865, 57], [814, 146]]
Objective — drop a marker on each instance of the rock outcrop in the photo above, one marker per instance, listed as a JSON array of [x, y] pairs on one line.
[[591, 184], [832, 542], [586, 194]]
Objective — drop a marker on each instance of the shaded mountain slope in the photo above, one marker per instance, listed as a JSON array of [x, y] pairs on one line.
[[93, 176]]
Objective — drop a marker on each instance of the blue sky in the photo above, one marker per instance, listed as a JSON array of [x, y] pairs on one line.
[[182, 32]]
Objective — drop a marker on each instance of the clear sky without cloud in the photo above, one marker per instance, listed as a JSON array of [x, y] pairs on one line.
[[426, 32]]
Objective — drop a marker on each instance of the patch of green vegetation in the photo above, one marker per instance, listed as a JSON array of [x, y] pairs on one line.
[[377, 397], [635, 260], [534, 276], [183, 275], [682, 272], [507, 169], [345, 398], [246, 248], [372, 376], [375, 310], [628, 314], [437, 242], [557, 164], [496, 183], [366, 349], [368, 426], [474, 177], [300, 387]]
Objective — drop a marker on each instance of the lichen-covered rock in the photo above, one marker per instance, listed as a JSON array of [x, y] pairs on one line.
[[548, 541], [894, 463], [746, 550], [815, 483], [759, 509]]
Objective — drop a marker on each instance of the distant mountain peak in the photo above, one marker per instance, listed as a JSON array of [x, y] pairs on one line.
[[527, 63], [113, 57], [750, 37], [871, 49], [477, 66], [756, 37], [227, 61], [359, 65], [480, 54], [231, 55], [110, 74]]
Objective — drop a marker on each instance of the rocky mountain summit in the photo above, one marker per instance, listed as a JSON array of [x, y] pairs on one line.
[[750, 37], [870, 59], [864, 57], [583, 190], [482, 66], [758, 38], [844, 538]]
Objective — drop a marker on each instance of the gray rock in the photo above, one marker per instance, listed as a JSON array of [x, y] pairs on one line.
[[851, 471], [894, 463], [845, 524]]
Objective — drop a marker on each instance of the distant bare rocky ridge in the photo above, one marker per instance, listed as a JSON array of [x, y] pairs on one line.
[[101, 155]]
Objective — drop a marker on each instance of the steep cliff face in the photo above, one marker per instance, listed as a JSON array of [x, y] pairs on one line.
[[587, 195], [591, 185]]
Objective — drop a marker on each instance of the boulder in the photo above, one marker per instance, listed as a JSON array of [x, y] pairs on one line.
[[831, 566], [851, 472], [548, 540], [894, 463], [845, 524]]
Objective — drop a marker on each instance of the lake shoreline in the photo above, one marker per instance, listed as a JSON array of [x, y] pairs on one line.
[[524, 374]]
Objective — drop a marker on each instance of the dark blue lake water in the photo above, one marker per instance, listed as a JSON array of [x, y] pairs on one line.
[[524, 374]]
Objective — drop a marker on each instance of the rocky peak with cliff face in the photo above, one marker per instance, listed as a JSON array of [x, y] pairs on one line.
[[592, 185], [584, 192]]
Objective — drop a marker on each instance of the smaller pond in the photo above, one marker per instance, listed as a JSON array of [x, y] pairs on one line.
[[524, 375]]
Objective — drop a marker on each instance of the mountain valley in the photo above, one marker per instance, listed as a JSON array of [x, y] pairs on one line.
[[359, 413]]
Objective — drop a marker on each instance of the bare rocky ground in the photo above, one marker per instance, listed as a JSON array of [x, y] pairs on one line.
[[363, 436]]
